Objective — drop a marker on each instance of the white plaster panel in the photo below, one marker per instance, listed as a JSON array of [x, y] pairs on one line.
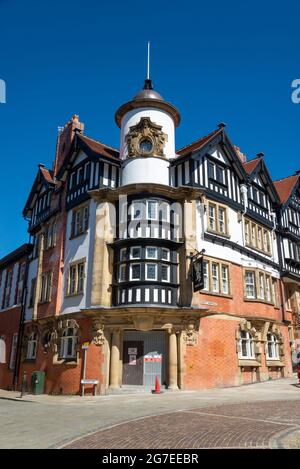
[[145, 169], [81, 247]]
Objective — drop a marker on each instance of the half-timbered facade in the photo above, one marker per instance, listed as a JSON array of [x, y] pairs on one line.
[[150, 261]]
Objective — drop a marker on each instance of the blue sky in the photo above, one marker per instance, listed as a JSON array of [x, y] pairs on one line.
[[216, 61]]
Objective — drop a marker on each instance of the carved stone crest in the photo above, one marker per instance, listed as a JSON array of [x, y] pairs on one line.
[[190, 333], [98, 332], [146, 139]]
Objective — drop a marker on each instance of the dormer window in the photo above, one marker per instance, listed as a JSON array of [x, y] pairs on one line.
[[216, 172]]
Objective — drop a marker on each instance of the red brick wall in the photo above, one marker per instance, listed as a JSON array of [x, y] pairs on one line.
[[9, 324], [65, 378]]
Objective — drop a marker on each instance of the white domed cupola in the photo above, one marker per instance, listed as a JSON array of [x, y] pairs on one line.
[[147, 125]]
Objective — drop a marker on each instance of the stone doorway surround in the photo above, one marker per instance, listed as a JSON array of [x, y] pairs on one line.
[[180, 324]]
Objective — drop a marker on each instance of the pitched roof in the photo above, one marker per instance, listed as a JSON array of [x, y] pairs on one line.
[[285, 187], [198, 143], [47, 174], [249, 166], [15, 255], [99, 147]]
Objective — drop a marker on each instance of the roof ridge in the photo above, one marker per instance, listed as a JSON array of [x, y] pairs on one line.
[[101, 143]]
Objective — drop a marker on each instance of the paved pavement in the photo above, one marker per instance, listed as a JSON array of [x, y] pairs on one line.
[[258, 415]]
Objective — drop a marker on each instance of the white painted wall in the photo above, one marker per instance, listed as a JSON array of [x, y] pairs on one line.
[[145, 170], [236, 235], [158, 117], [76, 249]]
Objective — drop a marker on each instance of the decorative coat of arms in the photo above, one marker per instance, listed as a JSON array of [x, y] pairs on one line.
[[146, 139]]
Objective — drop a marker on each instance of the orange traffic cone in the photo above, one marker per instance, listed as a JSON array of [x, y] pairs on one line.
[[157, 386]]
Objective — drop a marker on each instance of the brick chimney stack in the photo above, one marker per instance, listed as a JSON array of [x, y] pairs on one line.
[[241, 155], [65, 141]]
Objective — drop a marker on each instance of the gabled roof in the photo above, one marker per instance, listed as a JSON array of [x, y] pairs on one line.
[[92, 148], [44, 177], [249, 166], [218, 136], [15, 255], [97, 147], [197, 144], [286, 186], [256, 166]]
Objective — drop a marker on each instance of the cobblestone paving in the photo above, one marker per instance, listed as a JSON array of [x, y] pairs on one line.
[[249, 425]]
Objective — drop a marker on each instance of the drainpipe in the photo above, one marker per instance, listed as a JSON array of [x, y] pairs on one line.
[[244, 193]]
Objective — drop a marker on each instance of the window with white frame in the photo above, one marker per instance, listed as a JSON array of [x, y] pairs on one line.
[[122, 273], [260, 285], [50, 236], [32, 346], [76, 278], [273, 345], [2, 350], [246, 345], [151, 271], [135, 271], [21, 282], [257, 237], [216, 277], [217, 218], [250, 284], [13, 351], [151, 209], [45, 287], [135, 252], [80, 221], [165, 254], [165, 273], [68, 343], [123, 254], [151, 252], [7, 290], [137, 209], [164, 211]]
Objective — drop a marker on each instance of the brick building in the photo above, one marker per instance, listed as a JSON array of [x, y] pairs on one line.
[[182, 264]]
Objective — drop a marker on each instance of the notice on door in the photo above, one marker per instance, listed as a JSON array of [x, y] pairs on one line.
[[132, 360], [132, 351]]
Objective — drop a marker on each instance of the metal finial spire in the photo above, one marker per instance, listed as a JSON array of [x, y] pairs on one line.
[[148, 62]]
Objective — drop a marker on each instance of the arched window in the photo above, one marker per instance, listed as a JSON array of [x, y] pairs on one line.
[[246, 345], [272, 347], [32, 346], [2, 350], [68, 343]]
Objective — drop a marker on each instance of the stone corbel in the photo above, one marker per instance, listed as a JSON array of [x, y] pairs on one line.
[[98, 336]]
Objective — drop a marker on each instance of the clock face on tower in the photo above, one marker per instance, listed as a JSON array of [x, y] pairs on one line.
[[145, 146]]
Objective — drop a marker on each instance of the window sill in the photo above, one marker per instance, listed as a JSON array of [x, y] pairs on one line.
[[78, 235], [71, 295], [248, 362], [222, 295], [260, 251], [217, 233], [274, 363], [258, 300]]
